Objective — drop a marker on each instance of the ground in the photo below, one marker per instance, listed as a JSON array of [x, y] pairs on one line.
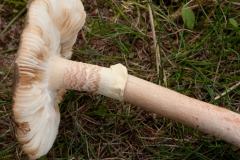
[[202, 63]]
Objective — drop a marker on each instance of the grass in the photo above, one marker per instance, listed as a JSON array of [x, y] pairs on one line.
[[201, 63]]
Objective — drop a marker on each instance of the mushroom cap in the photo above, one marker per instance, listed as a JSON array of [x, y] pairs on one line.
[[51, 28]]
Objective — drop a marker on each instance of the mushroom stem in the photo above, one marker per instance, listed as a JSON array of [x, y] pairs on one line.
[[67, 74], [208, 118], [114, 82]]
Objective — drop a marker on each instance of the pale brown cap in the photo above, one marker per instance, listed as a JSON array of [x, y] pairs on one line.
[[51, 29]]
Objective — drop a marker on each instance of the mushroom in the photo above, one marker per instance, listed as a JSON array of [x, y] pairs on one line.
[[51, 30], [43, 72]]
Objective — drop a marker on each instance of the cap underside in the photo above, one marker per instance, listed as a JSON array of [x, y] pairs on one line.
[[51, 29]]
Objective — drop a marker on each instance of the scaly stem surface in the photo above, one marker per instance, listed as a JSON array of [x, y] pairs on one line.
[[115, 83]]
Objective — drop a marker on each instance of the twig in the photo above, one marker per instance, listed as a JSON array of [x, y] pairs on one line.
[[154, 40], [235, 3], [227, 91]]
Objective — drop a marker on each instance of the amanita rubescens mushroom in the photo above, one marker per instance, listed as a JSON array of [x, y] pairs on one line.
[[42, 73]]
